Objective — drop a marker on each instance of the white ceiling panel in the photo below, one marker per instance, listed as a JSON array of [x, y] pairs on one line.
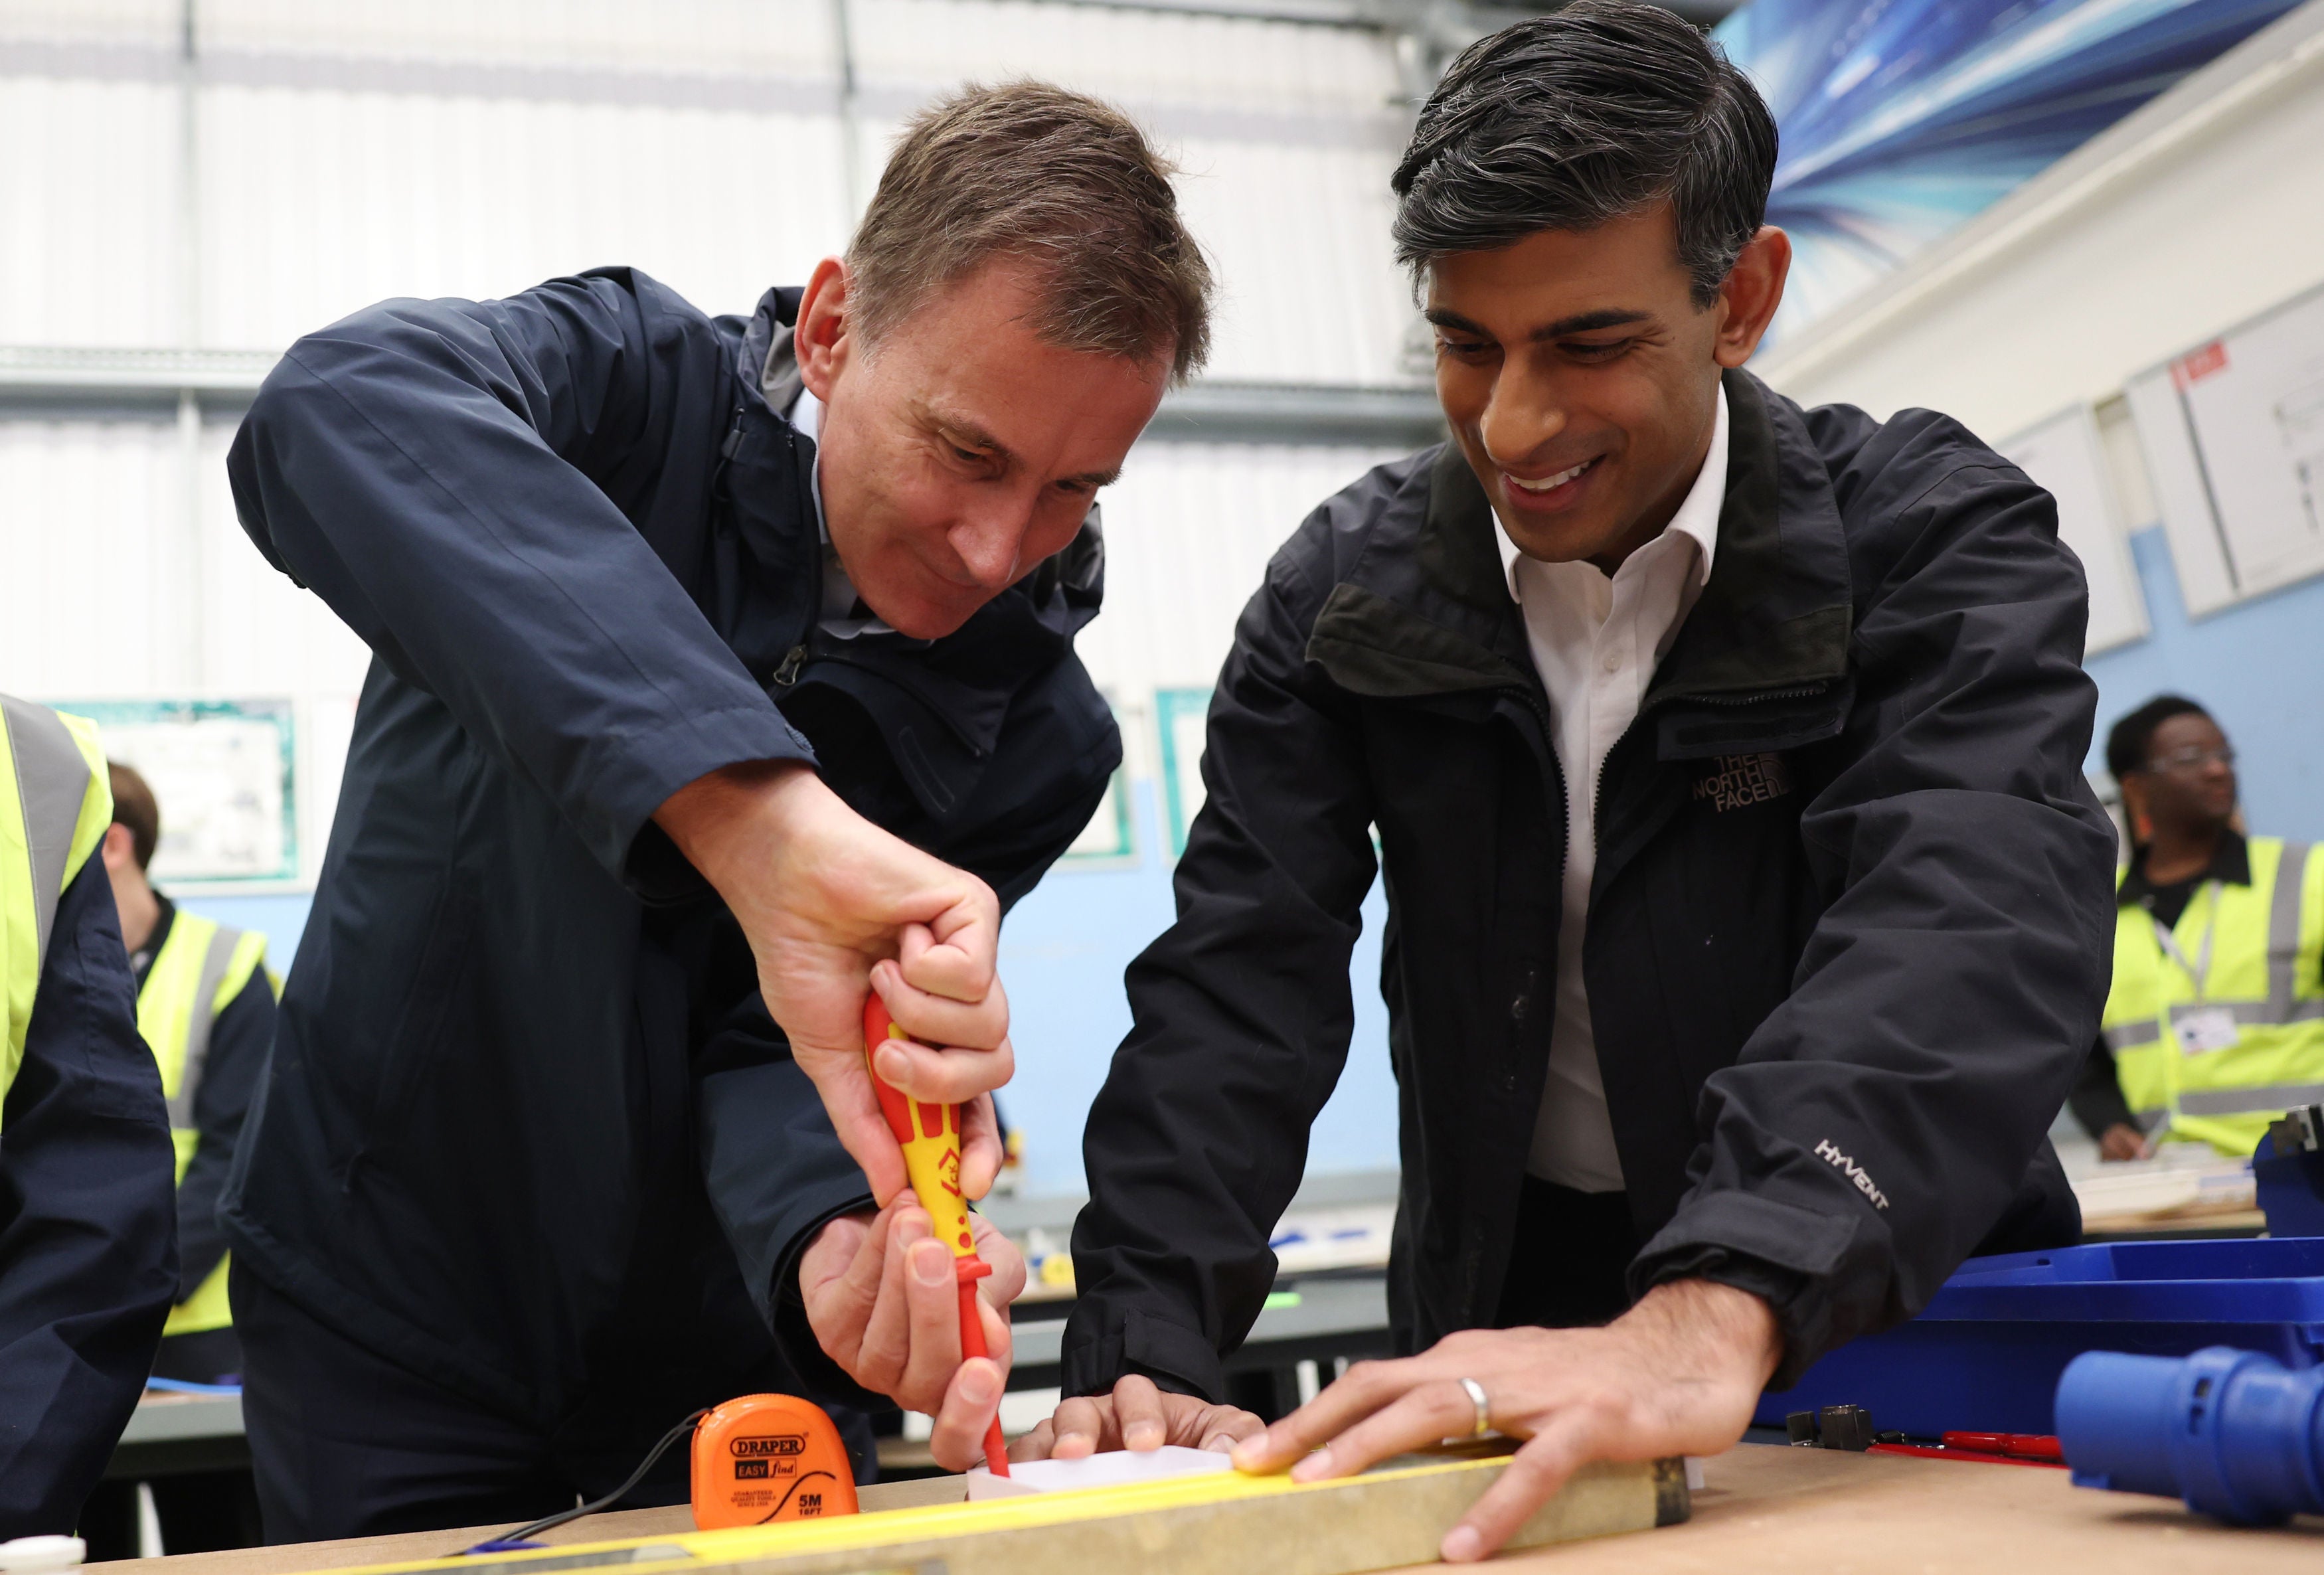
[[1139, 57], [152, 22], [88, 212], [91, 514], [721, 37], [318, 203]]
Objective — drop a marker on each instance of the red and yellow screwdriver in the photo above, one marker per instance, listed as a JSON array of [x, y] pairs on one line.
[[930, 1138]]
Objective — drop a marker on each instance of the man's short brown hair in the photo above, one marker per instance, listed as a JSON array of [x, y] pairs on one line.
[[1057, 179], [134, 807]]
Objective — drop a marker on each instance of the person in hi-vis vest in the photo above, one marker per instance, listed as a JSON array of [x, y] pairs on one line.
[[206, 1007], [2215, 1023], [88, 1254]]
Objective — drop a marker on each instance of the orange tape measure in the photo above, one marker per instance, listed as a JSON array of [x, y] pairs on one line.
[[766, 1458]]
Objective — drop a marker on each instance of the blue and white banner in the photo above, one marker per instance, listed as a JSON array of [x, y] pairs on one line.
[[1901, 118]]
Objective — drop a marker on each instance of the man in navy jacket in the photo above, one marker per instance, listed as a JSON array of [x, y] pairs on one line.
[[724, 672]]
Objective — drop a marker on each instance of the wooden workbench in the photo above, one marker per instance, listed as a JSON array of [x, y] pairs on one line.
[[1764, 1507]]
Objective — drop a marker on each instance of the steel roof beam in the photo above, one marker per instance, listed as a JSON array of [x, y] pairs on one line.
[[81, 383]]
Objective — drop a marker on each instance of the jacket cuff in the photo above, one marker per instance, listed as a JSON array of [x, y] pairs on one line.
[[1176, 1357], [785, 1308], [1788, 1256], [777, 1174], [644, 772]]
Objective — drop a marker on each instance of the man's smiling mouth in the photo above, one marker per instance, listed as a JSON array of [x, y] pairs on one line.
[[1549, 484]]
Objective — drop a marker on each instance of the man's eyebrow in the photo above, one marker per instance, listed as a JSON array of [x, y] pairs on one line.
[[1589, 322], [1454, 321], [969, 435], [1580, 323]]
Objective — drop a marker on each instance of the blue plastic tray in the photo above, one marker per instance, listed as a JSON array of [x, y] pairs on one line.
[[1986, 1354]]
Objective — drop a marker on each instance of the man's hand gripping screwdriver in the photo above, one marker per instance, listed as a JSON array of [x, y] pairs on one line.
[[930, 1138]]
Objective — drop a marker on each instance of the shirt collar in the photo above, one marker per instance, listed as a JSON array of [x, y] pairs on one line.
[[2230, 866], [805, 416], [838, 616], [1697, 512]]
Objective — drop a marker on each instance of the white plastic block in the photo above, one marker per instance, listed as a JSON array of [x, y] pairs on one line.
[[1114, 1468]]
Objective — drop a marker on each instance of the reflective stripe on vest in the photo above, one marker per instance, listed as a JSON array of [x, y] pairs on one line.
[[201, 968], [2283, 931], [2267, 1098], [2247, 1014], [55, 803]]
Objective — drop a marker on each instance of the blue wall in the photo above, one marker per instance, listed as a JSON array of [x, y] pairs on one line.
[[2257, 666]]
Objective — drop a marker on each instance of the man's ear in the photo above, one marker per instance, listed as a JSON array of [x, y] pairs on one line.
[[2134, 810], [1753, 290], [822, 338], [119, 849]]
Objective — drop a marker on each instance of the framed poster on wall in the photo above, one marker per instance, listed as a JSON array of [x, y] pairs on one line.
[[1180, 715], [1108, 838], [225, 773], [2066, 459]]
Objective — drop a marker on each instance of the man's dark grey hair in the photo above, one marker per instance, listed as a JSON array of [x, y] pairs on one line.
[[1565, 122], [1053, 178]]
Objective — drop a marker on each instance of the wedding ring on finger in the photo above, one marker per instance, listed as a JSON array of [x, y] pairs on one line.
[[1476, 1393]]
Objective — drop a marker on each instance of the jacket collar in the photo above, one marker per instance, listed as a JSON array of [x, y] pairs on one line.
[[2230, 866], [769, 375], [1774, 618], [141, 960]]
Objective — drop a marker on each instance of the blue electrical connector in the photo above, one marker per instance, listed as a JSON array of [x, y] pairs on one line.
[[2235, 1433]]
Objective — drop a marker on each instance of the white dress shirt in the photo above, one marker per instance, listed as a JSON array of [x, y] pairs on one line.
[[1596, 642]]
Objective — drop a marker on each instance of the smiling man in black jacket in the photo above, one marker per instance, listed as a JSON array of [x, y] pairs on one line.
[[1747, 909]]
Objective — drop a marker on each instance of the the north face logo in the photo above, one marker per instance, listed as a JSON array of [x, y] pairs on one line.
[[1735, 781]]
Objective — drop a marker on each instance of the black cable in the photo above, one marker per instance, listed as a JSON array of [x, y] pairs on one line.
[[499, 1543], [797, 1483]]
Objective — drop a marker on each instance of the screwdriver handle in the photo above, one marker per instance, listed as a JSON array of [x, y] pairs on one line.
[[930, 1138]]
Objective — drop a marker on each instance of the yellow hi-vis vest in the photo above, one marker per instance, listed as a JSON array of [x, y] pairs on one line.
[[2265, 942], [55, 803], [200, 968]]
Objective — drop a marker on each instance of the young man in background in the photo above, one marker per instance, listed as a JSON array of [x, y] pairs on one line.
[[1747, 904], [2215, 1024], [206, 1008]]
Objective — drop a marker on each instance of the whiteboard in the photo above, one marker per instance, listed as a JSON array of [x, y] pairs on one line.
[[2234, 434], [2175, 476], [2066, 458]]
